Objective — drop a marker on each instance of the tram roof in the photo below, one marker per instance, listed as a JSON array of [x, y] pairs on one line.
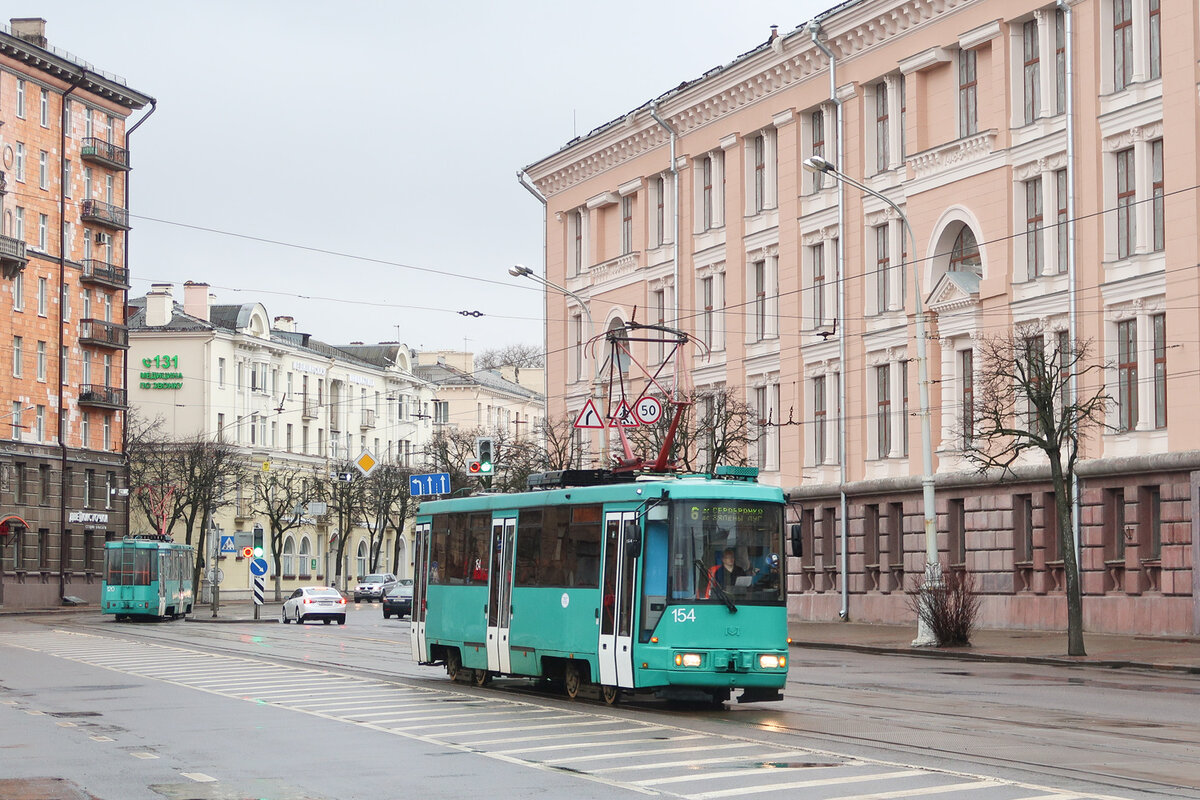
[[675, 488]]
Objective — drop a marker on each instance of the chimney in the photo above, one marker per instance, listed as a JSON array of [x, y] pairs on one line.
[[158, 305], [196, 300], [31, 29], [285, 324]]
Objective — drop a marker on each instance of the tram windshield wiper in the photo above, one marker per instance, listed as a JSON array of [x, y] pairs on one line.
[[712, 583]]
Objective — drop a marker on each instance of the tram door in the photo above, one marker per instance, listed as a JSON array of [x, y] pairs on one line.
[[617, 601], [420, 579], [500, 581]]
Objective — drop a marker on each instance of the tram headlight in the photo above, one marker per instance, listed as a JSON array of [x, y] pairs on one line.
[[772, 662], [687, 659]]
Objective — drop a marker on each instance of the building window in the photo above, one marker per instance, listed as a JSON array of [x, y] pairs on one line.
[[1062, 230], [41, 361], [18, 292], [1155, 40], [966, 365], [19, 164], [1032, 78], [957, 533], [1150, 523], [627, 224], [817, 129], [1034, 260], [43, 295], [968, 102], [706, 176], [18, 356], [20, 98], [817, 261], [1022, 528], [40, 423], [1114, 524], [17, 408], [43, 170], [85, 430], [1158, 193], [43, 232], [759, 147], [883, 410], [1159, 325], [964, 254], [761, 169], [871, 536], [44, 108], [820, 437], [883, 274], [1060, 62], [660, 210], [106, 431], [19, 223], [1126, 210], [759, 269], [1122, 25], [577, 348], [658, 299], [881, 126], [904, 408], [1127, 372], [89, 483], [707, 312], [575, 224]]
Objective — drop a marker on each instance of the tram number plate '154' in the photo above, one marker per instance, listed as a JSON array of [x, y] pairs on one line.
[[684, 614]]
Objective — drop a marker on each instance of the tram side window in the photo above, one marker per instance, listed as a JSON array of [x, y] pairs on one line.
[[478, 536], [439, 536], [584, 544], [533, 568]]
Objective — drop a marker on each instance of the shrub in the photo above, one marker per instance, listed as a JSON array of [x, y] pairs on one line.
[[951, 608]]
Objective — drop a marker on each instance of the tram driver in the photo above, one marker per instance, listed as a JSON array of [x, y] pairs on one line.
[[726, 573]]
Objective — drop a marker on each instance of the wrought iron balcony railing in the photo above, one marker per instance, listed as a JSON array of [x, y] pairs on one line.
[[105, 334], [104, 214], [12, 256], [91, 394], [368, 418], [98, 151], [101, 272]]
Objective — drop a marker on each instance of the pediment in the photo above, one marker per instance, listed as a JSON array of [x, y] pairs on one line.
[[954, 290]]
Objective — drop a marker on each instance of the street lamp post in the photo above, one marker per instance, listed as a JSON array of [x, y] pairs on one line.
[[520, 271], [933, 569]]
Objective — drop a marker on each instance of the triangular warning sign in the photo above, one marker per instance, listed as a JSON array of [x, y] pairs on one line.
[[589, 417], [625, 416]]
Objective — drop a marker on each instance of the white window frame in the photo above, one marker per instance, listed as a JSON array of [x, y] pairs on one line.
[[762, 171]]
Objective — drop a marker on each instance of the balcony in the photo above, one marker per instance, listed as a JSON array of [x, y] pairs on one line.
[[105, 214], [98, 151], [243, 508], [102, 273], [310, 408], [104, 334], [368, 418], [12, 256], [91, 394]]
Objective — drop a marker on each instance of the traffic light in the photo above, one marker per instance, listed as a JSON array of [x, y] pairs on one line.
[[485, 449], [258, 541], [247, 552]]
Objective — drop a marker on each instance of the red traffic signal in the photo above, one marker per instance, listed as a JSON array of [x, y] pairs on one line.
[[474, 467], [247, 552]]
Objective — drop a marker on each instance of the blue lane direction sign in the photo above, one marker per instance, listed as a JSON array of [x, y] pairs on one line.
[[258, 566], [432, 483], [228, 545]]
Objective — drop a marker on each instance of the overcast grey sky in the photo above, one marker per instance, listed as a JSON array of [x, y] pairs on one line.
[[349, 134]]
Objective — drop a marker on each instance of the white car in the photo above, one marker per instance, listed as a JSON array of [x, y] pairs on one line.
[[374, 586], [314, 602]]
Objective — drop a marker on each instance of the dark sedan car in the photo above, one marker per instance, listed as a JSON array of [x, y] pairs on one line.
[[398, 599]]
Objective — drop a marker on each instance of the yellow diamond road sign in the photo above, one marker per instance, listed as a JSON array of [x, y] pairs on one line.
[[365, 462]]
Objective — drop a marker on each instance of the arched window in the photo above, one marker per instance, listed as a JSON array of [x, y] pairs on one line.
[[622, 358], [289, 558], [362, 559], [964, 255], [305, 558]]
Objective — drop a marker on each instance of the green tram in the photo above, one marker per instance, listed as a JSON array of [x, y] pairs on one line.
[[662, 584], [147, 576]]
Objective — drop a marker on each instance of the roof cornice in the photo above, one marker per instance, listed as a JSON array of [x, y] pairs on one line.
[[63, 67]]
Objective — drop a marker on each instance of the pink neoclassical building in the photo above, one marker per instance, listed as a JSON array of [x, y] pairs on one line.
[[1045, 156]]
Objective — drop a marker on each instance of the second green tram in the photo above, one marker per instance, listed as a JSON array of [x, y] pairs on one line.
[[147, 576], [666, 585]]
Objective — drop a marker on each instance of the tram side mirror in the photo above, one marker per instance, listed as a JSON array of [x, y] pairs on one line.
[[633, 541], [797, 540]]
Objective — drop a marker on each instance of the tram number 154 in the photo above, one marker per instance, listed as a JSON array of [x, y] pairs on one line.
[[684, 614]]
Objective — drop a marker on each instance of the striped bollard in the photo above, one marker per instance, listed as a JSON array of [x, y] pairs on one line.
[[258, 594]]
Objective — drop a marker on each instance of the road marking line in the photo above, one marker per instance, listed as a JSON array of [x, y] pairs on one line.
[[66, 724], [579, 745], [531, 727], [512, 739], [199, 777], [143, 755], [708, 776], [697, 762], [652, 753], [922, 791], [102, 738], [847, 779]]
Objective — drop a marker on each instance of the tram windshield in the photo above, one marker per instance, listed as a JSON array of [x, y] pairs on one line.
[[725, 551]]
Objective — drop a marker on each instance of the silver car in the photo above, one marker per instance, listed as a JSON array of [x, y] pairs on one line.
[[314, 602], [374, 586]]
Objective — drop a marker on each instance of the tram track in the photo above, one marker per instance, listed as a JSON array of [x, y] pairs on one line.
[[776, 726]]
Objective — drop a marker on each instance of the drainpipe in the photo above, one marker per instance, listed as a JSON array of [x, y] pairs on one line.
[[1065, 7], [523, 179], [675, 244], [125, 322], [814, 30], [63, 552]]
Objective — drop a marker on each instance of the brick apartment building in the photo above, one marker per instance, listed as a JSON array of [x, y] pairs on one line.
[[63, 190], [1045, 156]]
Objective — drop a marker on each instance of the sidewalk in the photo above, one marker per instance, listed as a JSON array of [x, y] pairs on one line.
[[1177, 654]]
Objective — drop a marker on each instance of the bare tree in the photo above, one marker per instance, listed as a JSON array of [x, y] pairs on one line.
[[716, 428], [1024, 403], [152, 472], [516, 458], [279, 494], [385, 503], [512, 355], [558, 442], [343, 491]]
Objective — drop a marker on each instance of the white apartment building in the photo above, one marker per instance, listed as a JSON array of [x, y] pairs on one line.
[[232, 372]]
